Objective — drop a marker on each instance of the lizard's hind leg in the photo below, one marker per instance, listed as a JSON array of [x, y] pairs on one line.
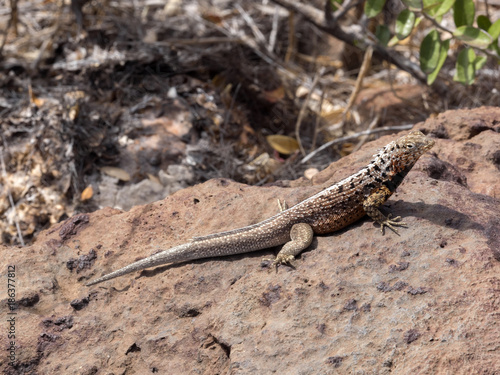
[[301, 236]]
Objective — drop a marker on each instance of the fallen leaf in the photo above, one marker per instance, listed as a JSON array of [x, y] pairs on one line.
[[73, 112], [116, 172], [347, 148], [87, 193], [310, 173], [153, 178], [283, 144], [33, 99], [274, 95]]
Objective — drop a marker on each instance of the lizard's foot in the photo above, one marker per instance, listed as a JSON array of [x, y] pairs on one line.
[[301, 236], [390, 223], [282, 206], [280, 259]]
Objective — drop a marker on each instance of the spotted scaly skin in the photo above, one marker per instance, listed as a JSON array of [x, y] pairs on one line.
[[327, 211]]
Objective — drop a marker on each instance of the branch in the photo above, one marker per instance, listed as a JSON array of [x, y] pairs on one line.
[[353, 36], [354, 136]]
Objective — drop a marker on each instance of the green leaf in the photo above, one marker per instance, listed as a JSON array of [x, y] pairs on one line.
[[393, 41], [443, 8], [483, 22], [417, 22], [415, 5], [465, 71], [464, 12], [429, 52], [479, 62], [404, 24], [383, 34], [334, 4], [373, 7], [473, 36], [443, 54], [431, 6], [496, 48], [494, 30]]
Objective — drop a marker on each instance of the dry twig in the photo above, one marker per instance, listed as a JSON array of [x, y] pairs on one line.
[[292, 41], [318, 118], [363, 139], [304, 106], [365, 67], [354, 136]]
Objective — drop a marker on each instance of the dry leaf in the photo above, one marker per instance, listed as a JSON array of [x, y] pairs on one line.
[[310, 173], [301, 91], [87, 193], [332, 116], [173, 8], [283, 144], [153, 178], [206, 101], [219, 81], [274, 96], [261, 168], [247, 129], [33, 99], [225, 95], [347, 148], [116, 172], [73, 112], [74, 96], [175, 126]]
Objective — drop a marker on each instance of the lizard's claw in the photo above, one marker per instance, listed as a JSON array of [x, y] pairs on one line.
[[280, 259], [390, 222]]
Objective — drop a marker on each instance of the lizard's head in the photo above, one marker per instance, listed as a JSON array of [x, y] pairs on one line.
[[406, 150], [401, 155]]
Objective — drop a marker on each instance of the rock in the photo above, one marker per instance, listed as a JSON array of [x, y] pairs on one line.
[[147, 190], [355, 302]]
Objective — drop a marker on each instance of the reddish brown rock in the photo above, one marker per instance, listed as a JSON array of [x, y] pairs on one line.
[[425, 302]]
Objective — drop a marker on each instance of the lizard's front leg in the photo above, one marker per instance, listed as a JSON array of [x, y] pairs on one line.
[[301, 236], [373, 202]]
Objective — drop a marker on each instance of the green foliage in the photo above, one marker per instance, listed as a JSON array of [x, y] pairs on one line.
[[494, 30], [482, 38], [467, 65], [373, 7], [473, 36], [429, 52], [443, 53], [404, 23], [334, 4], [383, 34], [483, 22], [441, 8], [413, 5], [463, 12]]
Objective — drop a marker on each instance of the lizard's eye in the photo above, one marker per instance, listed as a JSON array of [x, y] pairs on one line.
[[409, 145]]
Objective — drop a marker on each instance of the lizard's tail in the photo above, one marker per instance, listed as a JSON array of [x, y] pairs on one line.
[[164, 257]]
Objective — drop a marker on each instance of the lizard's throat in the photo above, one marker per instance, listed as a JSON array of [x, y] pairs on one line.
[[395, 179]]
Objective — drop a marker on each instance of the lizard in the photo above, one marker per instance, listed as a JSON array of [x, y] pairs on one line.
[[329, 210]]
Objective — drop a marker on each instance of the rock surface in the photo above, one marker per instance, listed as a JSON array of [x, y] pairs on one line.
[[358, 302]]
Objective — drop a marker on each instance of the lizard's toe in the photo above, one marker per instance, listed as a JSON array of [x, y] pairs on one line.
[[282, 259], [390, 223]]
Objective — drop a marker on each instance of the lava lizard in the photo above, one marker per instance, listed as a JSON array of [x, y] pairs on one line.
[[327, 211]]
